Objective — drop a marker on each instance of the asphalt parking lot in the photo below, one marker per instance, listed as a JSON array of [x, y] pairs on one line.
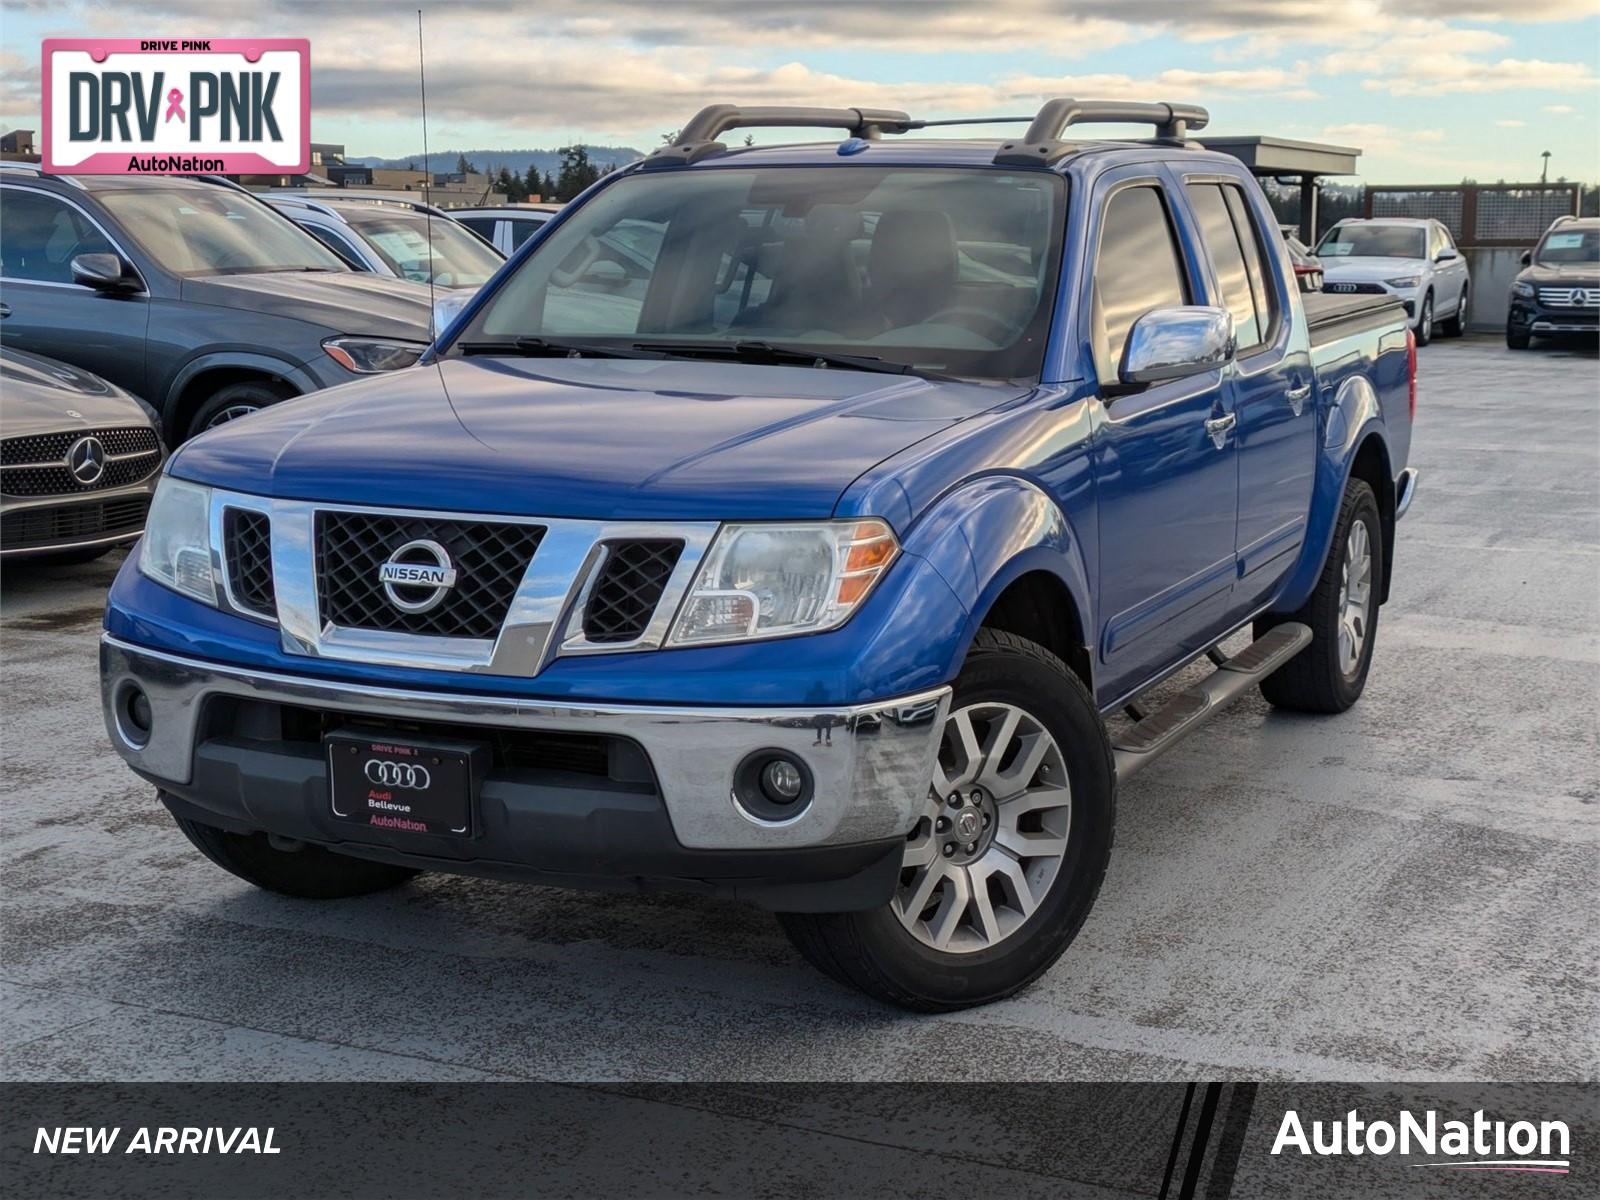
[[1406, 891]]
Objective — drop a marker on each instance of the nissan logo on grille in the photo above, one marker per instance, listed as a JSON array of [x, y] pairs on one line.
[[86, 459], [418, 576], [385, 772]]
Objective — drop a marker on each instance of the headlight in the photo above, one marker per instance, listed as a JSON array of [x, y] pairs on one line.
[[1405, 281], [369, 356], [760, 581], [176, 549], [1522, 288]]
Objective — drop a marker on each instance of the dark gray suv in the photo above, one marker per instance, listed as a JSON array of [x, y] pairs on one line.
[[191, 293]]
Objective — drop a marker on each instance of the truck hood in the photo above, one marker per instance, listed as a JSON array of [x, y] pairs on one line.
[[1371, 270], [342, 301], [591, 438]]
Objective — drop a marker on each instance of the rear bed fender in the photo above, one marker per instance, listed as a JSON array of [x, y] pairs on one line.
[[1355, 419], [987, 534]]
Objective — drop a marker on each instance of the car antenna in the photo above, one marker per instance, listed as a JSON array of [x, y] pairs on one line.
[[427, 174]]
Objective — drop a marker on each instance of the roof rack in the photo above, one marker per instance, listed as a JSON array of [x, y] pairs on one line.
[[1042, 143], [699, 137]]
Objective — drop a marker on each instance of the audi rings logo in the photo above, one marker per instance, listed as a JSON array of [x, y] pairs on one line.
[[385, 772], [418, 576]]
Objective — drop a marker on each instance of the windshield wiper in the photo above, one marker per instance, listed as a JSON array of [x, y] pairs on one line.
[[541, 347], [766, 352]]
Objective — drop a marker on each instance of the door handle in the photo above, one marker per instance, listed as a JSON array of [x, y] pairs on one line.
[[1297, 397], [5, 311], [1219, 428]]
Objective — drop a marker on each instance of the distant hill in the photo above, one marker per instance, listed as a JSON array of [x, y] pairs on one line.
[[516, 161]]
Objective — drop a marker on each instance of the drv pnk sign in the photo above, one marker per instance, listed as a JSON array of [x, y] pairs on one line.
[[130, 106]]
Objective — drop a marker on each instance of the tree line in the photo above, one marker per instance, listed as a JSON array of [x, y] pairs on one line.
[[577, 172]]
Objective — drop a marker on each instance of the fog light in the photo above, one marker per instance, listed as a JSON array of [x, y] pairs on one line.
[[781, 781], [772, 787], [134, 717]]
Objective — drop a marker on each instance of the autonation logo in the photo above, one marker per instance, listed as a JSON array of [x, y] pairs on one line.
[[1476, 1145]]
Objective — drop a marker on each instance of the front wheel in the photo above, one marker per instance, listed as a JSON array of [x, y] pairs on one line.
[[1517, 339], [1329, 675], [232, 402], [1425, 320], [1007, 857]]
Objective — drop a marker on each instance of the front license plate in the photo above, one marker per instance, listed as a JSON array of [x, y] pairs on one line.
[[402, 786]]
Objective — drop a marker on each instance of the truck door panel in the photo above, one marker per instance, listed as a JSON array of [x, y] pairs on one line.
[[1168, 493]]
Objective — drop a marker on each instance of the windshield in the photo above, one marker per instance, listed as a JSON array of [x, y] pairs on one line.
[[216, 231], [1374, 241], [460, 258], [917, 269], [1574, 246]]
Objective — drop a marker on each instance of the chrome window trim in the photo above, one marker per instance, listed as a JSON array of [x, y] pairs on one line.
[[544, 621], [144, 288]]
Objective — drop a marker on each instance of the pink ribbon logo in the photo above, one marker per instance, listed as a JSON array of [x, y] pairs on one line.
[[175, 105]]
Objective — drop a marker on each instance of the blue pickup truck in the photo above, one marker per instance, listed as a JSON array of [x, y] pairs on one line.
[[800, 524]]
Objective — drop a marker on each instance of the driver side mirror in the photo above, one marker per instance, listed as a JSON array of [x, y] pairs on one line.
[[1527, 258], [103, 273], [1174, 343], [1446, 256]]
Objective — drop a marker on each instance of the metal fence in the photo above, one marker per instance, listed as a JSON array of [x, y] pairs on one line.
[[1501, 214]]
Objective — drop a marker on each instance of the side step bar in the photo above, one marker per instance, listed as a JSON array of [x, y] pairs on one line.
[[1148, 738]]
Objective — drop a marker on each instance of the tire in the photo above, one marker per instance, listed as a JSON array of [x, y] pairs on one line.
[[1425, 320], [1457, 325], [1320, 679], [878, 952], [234, 401], [310, 873], [1518, 339]]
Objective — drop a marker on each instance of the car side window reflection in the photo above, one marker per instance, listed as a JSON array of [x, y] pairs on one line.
[[1137, 269], [43, 236]]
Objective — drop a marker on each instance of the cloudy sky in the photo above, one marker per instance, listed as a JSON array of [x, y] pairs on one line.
[[1431, 90]]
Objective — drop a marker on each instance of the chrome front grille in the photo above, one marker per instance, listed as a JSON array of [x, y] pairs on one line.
[[1570, 297], [520, 592], [36, 464], [489, 559]]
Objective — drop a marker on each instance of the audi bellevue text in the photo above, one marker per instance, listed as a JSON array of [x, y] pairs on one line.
[[783, 523]]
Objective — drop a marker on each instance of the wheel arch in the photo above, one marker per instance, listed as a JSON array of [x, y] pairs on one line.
[[1015, 561], [202, 377]]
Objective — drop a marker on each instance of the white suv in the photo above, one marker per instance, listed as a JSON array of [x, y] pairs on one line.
[[1412, 258]]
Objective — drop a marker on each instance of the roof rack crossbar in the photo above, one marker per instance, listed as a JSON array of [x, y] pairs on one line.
[[1042, 143], [699, 137]]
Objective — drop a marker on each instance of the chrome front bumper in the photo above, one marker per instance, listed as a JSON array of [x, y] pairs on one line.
[[871, 763]]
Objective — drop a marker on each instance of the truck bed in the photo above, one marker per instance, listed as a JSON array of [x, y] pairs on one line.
[[1333, 317]]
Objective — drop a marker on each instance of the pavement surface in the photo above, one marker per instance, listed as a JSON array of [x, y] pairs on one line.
[[1403, 892]]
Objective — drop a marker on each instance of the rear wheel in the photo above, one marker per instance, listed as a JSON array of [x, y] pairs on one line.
[[1329, 675], [310, 872], [1457, 325], [1008, 854]]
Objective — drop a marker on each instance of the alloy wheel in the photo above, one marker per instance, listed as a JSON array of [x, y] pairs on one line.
[[993, 835], [1355, 598], [232, 413]]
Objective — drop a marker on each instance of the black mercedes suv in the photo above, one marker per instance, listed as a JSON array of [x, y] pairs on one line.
[[1558, 291]]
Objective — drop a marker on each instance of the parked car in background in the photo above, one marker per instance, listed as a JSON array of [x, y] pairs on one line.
[[1307, 266], [507, 226], [809, 573], [191, 293], [1558, 290], [79, 459], [396, 238], [1412, 258]]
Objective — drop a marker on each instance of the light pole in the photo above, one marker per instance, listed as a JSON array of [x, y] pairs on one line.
[[1544, 171]]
